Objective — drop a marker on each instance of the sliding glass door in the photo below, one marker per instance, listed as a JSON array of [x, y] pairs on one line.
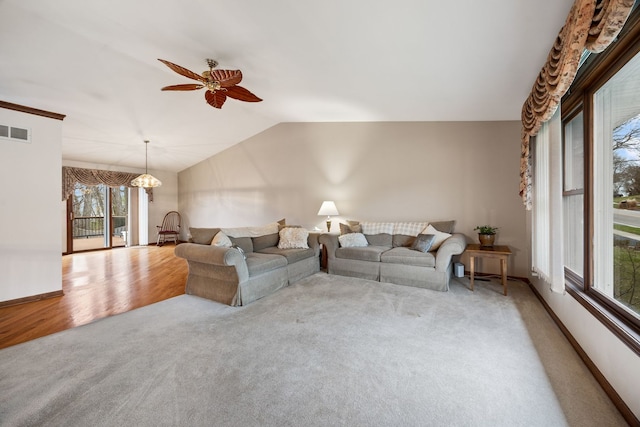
[[98, 217]]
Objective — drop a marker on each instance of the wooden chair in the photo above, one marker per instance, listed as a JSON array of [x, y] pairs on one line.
[[170, 228]]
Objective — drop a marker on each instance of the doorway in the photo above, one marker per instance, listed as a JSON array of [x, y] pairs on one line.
[[97, 217]]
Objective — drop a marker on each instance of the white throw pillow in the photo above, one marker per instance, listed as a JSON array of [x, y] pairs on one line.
[[221, 240], [440, 236], [293, 238], [353, 240]]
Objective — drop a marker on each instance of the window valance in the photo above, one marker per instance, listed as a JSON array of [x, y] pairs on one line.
[[72, 175], [591, 25]]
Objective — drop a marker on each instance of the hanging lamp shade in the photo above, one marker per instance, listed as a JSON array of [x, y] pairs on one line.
[[145, 180]]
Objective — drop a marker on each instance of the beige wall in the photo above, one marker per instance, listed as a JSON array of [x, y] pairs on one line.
[[31, 176], [467, 171]]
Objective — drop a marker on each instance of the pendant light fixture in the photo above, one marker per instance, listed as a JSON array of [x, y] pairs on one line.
[[145, 180]]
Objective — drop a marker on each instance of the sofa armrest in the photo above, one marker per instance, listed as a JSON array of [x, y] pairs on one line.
[[214, 256], [330, 241], [454, 245], [313, 243]]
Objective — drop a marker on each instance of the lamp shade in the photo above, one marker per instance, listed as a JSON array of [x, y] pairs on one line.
[[328, 208], [145, 180]]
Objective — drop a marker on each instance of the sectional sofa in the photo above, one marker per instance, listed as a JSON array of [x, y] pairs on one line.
[[388, 252], [236, 266]]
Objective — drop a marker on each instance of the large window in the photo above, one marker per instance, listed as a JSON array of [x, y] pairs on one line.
[[616, 189], [601, 185]]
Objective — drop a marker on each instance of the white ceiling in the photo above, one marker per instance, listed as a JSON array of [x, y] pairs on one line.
[[332, 60]]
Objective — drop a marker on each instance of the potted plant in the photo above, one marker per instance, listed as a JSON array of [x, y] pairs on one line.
[[486, 234]]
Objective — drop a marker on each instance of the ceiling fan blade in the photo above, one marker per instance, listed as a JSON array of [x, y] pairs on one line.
[[215, 99], [190, 86], [227, 78], [242, 94], [181, 70]]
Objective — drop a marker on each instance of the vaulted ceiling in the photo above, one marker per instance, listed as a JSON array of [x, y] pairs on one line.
[[311, 61]]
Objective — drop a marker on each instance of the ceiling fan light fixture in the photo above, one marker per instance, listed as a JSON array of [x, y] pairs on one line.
[[145, 180]]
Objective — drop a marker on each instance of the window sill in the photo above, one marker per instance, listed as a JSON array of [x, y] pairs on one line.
[[625, 331]]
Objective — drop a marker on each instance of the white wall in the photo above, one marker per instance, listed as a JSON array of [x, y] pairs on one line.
[[165, 197], [467, 171], [31, 177]]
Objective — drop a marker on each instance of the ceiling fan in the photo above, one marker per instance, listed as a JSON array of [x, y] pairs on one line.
[[220, 84]]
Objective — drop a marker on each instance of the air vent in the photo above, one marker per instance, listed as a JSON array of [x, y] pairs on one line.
[[15, 133]]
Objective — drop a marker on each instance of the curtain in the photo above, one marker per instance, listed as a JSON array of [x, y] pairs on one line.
[[591, 25], [95, 177], [547, 232]]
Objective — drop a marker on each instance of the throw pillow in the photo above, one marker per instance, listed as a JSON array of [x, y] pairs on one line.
[[444, 226], [202, 236], [221, 240], [350, 228], [440, 237], [293, 238], [423, 242], [353, 240]]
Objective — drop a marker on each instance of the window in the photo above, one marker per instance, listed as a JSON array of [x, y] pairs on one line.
[[616, 189], [573, 194], [601, 185]]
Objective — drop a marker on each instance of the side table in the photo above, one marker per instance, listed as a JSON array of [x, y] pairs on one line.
[[502, 253]]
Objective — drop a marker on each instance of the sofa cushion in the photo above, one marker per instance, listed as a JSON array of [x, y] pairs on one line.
[[382, 239], [408, 256], [368, 253], [244, 242], [402, 240], [291, 255], [258, 263], [353, 240], [202, 236], [265, 241]]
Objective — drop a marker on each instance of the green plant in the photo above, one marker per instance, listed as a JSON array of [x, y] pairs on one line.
[[486, 229]]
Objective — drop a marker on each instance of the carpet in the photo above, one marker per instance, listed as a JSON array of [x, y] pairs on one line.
[[328, 350]]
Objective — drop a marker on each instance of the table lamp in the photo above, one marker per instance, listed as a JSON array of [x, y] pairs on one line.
[[328, 208]]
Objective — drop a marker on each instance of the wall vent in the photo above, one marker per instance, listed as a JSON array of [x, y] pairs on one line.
[[13, 133]]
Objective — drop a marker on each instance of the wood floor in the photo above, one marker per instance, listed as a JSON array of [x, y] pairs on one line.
[[96, 285]]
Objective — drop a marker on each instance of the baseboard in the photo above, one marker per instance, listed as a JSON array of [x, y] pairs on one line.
[[31, 298], [627, 414]]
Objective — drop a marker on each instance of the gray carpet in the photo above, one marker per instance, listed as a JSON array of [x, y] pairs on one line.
[[326, 351]]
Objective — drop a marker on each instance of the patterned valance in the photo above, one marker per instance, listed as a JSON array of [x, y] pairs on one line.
[[591, 25], [95, 177]]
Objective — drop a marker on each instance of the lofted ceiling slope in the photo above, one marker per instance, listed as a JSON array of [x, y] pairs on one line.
[[354, 60]]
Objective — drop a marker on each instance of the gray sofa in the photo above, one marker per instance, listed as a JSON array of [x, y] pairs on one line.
[[388, 257], [229, 276]]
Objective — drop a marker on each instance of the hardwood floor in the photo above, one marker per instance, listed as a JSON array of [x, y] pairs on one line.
[[96, 285]]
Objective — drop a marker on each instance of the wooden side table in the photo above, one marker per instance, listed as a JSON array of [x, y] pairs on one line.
[[502, 253]]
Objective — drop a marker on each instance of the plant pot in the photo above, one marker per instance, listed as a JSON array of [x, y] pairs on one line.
[[486, 239]]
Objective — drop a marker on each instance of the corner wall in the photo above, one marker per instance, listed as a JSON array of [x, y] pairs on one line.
[[377, 171], [31, 176]]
